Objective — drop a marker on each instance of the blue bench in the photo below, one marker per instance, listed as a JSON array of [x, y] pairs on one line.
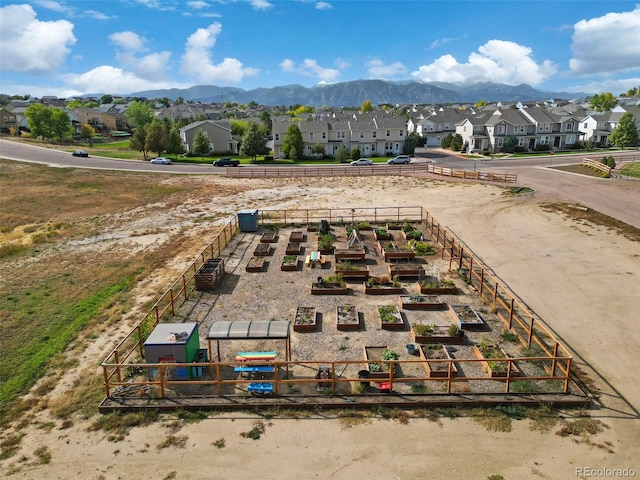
[[256, 369], [257, 387]]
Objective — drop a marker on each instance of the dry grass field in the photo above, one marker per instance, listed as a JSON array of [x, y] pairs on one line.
[[85, 253]]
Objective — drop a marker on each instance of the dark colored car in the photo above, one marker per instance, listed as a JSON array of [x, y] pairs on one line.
[[226, 162], [80, 153]]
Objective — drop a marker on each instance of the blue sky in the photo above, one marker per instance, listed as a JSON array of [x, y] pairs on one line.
[[68, 48]]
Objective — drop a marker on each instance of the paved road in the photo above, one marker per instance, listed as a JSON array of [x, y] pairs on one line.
[[619, 199]]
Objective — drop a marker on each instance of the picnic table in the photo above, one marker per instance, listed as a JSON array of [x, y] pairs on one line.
[[314, 258], [255, 356]]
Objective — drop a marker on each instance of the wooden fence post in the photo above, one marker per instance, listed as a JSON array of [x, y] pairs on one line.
[[511, 313]]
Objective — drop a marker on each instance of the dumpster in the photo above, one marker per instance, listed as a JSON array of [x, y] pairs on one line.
[[248, 220]]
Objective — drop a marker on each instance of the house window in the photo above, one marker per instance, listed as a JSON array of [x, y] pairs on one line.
[[374, 134], [361, 134], [277, 136], [501, 129], [570, 128], [324, 135], [500, 141], [586, 125], [388, 146], [401, 133], [388, 133], [544, 140], [571, 139], [521, 141], [310, 135]]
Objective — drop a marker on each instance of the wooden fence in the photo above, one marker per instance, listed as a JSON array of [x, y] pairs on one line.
[[349, 170], [597, 165], [530, 330], [540, 341], [178, 292]]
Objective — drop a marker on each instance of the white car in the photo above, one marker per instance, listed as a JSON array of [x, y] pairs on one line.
[[362, 161], [161, 161], [399, 159]]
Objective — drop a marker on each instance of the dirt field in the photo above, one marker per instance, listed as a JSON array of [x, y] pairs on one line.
[[582, 277]]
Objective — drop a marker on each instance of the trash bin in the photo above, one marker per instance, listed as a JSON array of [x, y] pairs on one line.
[[364, 375], [248, 220], [411, 349]]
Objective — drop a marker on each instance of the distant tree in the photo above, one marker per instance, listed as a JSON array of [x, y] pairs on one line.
[[139, 114], [106, 99], [318, 149], [341, 154], [602, 102], [138, 140], [626, 133], [446, 141], [366, 106], [179, 101], [456, 142], [87, 132], [303, 110], [355, 153], [253, 142], [48, 123], [632, 92], [265, 118], [410, 143], [157, 139], [510, 144], [165, 101], [91, 104], [75, 103], [481, 103], [175, 146], [293, 140], [238, 127], [201, 144], [39, 120]]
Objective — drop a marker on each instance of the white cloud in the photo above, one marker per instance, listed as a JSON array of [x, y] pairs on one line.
[[607, 44], [198, 5], [197, 62], [378, 69], [310, 68], [260, 4], [128, 41], [55, 6], [96, 15], [151, 67], [323, 6], [443, 41], [112, 80], [29, 45], [615, 86], [497, 61]]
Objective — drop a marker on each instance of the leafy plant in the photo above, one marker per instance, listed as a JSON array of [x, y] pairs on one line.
[[325, 241], [416, 298], [336, 279], [389, 354], [421, 248], [429, 283], [424, 328], [407, 227], [388, 313], [345, 265], [509, 336], [363, 225], [375, 367], [289, 259], [453, 330], [381, 232]]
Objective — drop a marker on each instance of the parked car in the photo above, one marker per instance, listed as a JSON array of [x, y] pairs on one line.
[[362, 161], [399, 159], [226, 162], [161, 161], [80, 153]]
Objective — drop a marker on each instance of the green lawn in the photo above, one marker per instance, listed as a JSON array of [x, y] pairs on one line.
[[631, 170]]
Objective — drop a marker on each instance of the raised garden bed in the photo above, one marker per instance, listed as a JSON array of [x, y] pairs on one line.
[[392, 252], [394, 226], [408, 270], [289, 263], [409, 232], [269, 237], [347, 317], [425, 333], [420, 302], [255, 264], [432, 286], [293, 248], [305, 319], [350, 270], [349, 254], [390, 317], [330, 285], [209, 274], [262, 250], [381, 286], [297, 236], [491, 354], [437, 369], [381, 235], [375, 360], [466, 316]]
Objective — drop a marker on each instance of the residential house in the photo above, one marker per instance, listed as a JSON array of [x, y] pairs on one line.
[[219, 134], [599, 125], [8, 121], [558, 131]]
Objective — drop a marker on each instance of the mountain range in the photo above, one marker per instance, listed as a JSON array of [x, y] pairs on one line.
[[352, 94]]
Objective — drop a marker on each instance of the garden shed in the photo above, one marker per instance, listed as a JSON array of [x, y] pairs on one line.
[[250, 330], [172, 343]]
